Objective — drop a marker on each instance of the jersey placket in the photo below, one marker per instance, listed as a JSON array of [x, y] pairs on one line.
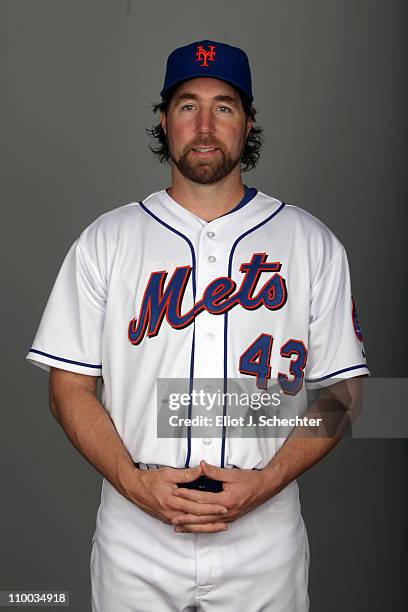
[[212, 262]]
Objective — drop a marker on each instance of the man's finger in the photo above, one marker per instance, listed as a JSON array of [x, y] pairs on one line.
[[208, 528], [202, 497], [185, 519], [184, 475], [198, 509], [217, 473]]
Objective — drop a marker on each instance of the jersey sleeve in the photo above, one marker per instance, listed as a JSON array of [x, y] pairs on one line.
[[69, 336], [335, 348]]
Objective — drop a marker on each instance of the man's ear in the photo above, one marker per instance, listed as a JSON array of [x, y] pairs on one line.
[[163, 122], [250, 124]]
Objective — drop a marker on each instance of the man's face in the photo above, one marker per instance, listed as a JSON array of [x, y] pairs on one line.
[[206, 129]]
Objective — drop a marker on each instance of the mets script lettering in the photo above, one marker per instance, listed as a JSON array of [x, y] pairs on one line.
[[161, 299]]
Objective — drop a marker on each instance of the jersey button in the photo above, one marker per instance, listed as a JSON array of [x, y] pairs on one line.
[[210, 234], [207, 441], [212, 258], [209, 336]]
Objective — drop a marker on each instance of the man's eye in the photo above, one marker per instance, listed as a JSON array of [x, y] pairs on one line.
[[225, 109], [187, 106]]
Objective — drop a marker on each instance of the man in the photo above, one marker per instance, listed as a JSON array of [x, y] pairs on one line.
[[207, 280]]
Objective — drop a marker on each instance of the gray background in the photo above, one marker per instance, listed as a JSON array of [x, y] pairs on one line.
[[77, 81]]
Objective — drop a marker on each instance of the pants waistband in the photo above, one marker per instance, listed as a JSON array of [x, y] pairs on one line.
[[156, 466], [149, 466]]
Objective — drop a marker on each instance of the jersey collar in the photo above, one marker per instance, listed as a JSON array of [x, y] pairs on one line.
[[250, 193], [251, 211]]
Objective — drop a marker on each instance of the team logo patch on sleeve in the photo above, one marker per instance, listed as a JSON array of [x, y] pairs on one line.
[[356, 324]]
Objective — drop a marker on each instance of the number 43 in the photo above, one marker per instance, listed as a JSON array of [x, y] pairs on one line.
[[255, 361]]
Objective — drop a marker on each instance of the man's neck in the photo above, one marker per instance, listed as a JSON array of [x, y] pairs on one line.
[[208, 201]]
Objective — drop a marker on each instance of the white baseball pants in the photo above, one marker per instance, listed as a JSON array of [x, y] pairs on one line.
[[140, 564]]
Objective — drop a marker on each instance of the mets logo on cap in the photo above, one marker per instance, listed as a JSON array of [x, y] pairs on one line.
[[204, 55]]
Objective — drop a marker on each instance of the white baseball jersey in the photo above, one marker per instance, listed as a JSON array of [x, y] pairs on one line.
[[149, 291]]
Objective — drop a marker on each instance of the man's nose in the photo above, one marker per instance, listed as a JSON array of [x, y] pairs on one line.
[[204, 121]]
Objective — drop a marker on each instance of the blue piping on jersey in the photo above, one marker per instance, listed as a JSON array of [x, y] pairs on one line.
[[80, 363], [226, 321], [193, 261], [356, 367]]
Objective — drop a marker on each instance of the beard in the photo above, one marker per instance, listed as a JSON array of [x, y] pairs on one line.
[[206, 172]]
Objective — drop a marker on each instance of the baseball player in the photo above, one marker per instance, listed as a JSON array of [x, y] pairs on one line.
[[206, 280]]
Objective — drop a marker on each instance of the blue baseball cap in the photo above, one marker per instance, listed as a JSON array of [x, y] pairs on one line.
[[207, 58]]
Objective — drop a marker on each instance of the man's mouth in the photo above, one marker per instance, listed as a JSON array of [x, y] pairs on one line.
[[204, 150]]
